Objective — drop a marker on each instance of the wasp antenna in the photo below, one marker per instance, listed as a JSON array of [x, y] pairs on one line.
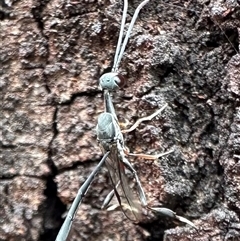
[[120, 37], [119, 57]]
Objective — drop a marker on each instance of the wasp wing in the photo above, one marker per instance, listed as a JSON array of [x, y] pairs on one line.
[[127, 197]]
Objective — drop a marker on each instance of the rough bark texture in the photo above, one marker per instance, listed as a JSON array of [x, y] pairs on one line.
[[186, 54]]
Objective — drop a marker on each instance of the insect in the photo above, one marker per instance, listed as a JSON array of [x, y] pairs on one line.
[[112, 144], [113, 133]]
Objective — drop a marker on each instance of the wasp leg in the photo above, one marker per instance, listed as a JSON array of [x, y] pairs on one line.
[[108, 198], [169, 213], [150, 157], [147, 118], [140, 189]]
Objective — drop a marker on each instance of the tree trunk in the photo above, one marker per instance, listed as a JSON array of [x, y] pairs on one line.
[[184, 54]]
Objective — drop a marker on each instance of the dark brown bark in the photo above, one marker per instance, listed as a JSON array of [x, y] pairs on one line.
[[185, 54]]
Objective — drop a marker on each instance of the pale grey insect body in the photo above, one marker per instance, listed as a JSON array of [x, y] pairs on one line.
[[130, 199], [108, 130]]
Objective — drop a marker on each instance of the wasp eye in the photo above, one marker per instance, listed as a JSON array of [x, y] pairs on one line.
[[120, 80]]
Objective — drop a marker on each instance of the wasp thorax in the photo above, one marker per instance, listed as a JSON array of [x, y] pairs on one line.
[[111, 81]]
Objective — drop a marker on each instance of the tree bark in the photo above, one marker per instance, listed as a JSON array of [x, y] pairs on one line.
[[185, 54]]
